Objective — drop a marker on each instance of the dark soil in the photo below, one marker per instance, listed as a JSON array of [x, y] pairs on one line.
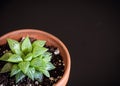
[[56, 74]]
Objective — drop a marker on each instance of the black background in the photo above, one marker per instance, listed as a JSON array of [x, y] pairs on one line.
[[90, 30]]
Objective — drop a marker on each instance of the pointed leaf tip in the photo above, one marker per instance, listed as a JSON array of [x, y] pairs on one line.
[[6, 68], [26, 45], [14, 46]]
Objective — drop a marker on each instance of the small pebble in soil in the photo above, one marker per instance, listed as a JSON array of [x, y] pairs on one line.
[[1, 84], [5, 51], [59, 60], [36, 82], [51, 78], [56, 52]]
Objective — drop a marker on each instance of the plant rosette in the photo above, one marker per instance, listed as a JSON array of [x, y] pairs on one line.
[[32, 59], [26, 59]]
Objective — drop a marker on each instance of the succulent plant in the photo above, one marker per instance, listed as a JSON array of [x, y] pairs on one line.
[[27, 59]]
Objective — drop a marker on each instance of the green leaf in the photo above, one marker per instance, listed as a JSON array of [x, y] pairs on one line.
[[28, 57], [30, 73], [47, 56], [19, 76], [38, 76], [38, 51], [15, 69], [6, 68], [26, 45], [14, 46], [49, 66], [24, 66], [37, 62], [15, 58], [40, 43], [5, 56], [45, 72]]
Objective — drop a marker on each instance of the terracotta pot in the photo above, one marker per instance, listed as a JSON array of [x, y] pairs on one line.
[[51, 41]]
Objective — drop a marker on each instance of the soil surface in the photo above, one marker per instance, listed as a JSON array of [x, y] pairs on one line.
[[55, 75]]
